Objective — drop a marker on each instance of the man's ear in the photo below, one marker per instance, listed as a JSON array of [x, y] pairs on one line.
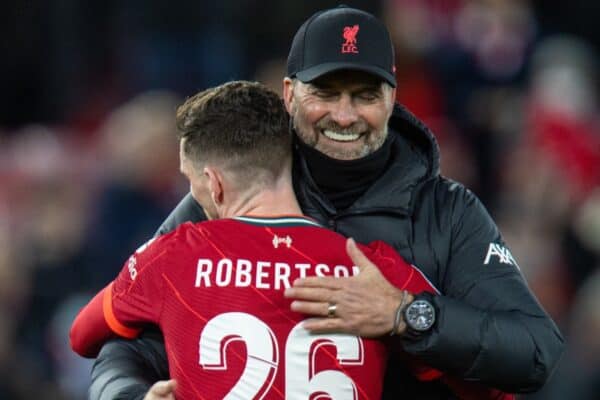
[[215, 184], [288, 93]]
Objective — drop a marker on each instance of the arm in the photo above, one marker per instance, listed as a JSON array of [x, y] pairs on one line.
[[366, 304], [126, 369], [385, 288], [120, 309], [490, 329], [90, 329]]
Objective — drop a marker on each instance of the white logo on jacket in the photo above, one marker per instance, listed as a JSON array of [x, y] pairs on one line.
[[504, 255]]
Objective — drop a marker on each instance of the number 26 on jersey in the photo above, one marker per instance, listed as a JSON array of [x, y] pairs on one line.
[[263, 358]]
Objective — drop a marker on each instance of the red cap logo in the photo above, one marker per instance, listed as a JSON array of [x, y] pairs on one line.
[[349, 34]]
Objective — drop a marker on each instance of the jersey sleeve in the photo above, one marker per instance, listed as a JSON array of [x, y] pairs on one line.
[[396, 270], [136, 295], [89, 330], [122, 308]]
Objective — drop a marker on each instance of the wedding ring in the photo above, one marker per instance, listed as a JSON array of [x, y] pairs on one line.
[[331, 310]]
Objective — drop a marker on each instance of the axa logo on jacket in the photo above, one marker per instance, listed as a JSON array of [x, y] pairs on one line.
[[504, 255]]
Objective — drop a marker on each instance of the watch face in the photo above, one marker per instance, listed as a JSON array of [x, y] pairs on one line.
[[420, 315]]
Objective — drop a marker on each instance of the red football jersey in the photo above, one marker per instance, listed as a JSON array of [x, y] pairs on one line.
[[216, 290]]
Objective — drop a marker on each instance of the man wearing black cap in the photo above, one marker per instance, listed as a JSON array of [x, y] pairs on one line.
[[369, 169]]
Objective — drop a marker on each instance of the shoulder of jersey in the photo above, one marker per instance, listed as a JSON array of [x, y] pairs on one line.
[[166, 240]]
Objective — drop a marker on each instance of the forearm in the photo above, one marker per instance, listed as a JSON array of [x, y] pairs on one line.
[[89, 330], [490, 327], [473, 343], [126, 369]]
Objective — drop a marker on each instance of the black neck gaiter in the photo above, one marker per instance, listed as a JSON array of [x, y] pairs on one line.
[[344, 181]]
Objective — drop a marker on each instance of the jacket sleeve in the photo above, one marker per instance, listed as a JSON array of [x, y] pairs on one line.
[[490, 328], [126, 369], [188, 209]]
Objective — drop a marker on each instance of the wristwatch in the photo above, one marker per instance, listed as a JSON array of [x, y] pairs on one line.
[[419, 315]]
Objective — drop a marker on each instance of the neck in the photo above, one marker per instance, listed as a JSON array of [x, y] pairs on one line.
[[276, 200]]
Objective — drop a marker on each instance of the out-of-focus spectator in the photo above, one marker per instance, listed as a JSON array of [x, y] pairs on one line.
[[497, 34], [578, 375], [563, 112], [139, 176], [512, 100], [52, 249]]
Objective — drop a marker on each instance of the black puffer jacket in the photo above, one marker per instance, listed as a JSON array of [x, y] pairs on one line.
[[490, 328]]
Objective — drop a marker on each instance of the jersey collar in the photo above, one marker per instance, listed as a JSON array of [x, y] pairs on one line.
[[279, 221]]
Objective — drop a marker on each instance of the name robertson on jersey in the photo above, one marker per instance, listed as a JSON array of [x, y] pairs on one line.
[[261, 274]]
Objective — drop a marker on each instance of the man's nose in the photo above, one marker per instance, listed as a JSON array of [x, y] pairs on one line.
[[344, 111]]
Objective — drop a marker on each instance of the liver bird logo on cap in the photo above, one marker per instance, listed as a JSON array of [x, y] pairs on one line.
[[349, 34]]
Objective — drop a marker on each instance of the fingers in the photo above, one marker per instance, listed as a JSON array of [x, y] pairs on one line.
[[163, 388], [311, 308], [310, 294], [324, 325], [357, 256], [328, 282]]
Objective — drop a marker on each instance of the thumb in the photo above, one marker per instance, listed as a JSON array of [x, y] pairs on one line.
[[358, 257], [163, 388]]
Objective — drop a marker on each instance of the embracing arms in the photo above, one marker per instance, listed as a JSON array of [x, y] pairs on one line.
[[489, 329], [127, 369]]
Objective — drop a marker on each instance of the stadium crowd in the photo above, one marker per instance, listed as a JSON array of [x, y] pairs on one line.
[[88, 154]]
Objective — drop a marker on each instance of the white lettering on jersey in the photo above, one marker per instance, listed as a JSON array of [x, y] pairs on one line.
[[203, 272], [282, 275], [223, 272], [321, 269], [504, 255], [243, 273], [303, 268], [341, 271], [261, 274]]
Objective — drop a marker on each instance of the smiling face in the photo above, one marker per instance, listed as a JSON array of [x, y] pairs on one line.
[[343, 114]]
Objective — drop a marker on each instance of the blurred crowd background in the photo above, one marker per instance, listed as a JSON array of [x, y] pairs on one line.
[[88, 155]]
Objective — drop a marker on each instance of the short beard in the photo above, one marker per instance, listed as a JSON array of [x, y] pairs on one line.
[[309, 141], [358, 127], [312, 140]]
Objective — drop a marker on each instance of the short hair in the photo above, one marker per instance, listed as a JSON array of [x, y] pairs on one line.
[[243, 125]]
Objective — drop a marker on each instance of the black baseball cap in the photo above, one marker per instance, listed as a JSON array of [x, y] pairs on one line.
[[341, 38]]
